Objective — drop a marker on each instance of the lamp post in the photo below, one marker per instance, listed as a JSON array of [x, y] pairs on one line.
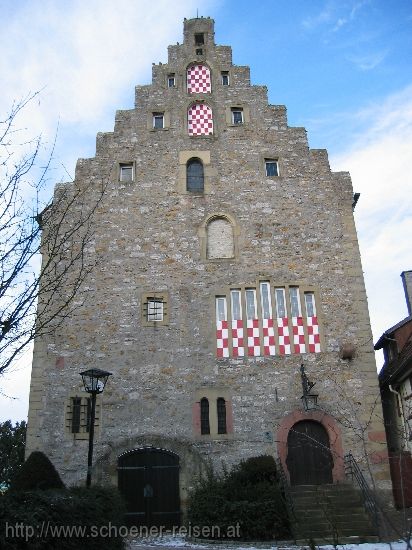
[[309, 400], [94, 381]]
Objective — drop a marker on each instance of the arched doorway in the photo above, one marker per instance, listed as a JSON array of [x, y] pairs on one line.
[[149, 482], [309, 459]]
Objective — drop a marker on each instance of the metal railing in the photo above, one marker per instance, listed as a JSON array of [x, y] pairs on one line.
[[286, 493], [371, 506]]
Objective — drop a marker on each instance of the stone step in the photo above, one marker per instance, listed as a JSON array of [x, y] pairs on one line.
[[323, 490], [329, 528], [361, 527], [332, 487], [310, 502], [330, 512], [334, 520]]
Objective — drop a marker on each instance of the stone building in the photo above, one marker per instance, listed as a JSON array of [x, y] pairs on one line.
[[226, 257]]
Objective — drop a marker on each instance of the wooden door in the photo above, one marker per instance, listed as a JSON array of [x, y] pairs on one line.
[[309, 459], [149, 482]]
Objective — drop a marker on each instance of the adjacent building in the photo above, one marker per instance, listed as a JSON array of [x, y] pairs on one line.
[[395, 380]]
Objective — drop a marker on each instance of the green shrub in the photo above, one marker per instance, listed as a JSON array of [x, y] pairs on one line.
[[79, 518], [36, 473], [248, 495]]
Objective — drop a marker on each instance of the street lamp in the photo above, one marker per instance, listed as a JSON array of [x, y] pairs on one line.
[[309, 400], [94, 381]]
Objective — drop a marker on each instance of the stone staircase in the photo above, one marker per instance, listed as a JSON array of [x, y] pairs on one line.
[[331, 514]]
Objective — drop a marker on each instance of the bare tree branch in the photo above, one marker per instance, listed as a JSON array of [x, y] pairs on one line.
[[43, 260]]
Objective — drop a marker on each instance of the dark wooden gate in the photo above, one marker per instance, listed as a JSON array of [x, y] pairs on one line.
[[149, 482], [309, 459]]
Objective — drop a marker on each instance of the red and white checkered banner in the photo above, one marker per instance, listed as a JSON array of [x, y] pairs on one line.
[[283, 335], [198, 80], [246, 337], [237, 339], [222, 339], [298, 335], [200, 120], [269, 345], [313, 335], [253, 337]]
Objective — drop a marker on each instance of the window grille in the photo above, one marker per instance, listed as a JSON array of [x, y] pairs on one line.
[[155, 309], [79, 415]]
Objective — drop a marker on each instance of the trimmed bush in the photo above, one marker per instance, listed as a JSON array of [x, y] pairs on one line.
[[79, 518], [36, 473], [248, 495]]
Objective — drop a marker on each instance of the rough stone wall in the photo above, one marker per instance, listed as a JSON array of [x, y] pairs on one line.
[[295, 229]]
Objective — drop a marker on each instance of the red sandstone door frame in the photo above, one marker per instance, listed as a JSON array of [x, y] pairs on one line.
[[334, 433]]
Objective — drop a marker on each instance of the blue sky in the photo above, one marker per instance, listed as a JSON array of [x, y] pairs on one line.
[[342, 67]]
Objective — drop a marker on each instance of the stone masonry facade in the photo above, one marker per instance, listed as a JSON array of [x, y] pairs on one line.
[[221, 292]]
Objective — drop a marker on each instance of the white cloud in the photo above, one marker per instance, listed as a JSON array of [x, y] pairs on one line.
[[340, 23], [367, 62], [379, 163], [329, 15], [85, 56], [323, 17]]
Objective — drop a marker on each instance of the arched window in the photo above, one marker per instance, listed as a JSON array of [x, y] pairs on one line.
[[200, 120], [204, 416], [220, 241], [221, 416], [194, 175]]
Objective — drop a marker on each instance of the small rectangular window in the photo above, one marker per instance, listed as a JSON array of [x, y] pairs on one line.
[[171, 80], [199, 39], [295, 302], [126, 172], [154, 309], [76, 411], [199, 51], [310, 304], [221, 308], [158, 120], [266, 301], [280, 303], [225, 78], [237, 115], [251, 303], [236, 305], [271, 167]]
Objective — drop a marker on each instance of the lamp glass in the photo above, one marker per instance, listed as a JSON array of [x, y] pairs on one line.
[[310, 401], [94, 380]]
